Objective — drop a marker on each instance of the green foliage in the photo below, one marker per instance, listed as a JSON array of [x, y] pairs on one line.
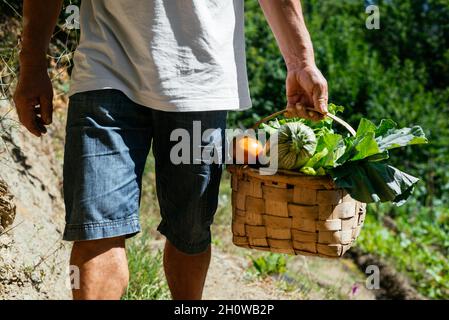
[[147, 280], [419, 248], [418, 31], [269, 264]]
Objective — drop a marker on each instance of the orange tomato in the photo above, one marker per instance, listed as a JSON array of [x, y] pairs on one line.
[[247, 147]]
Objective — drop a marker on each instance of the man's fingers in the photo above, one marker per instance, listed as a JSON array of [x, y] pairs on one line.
[[300, 111], [320, 98], [290, 111], [309, 113], [29, 121], [46, 109], [41, 125], [28, 117], [315, 116]]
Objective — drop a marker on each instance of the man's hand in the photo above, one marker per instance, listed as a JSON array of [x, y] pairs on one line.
[[306, 86], [306, 90], [33, 98], [34, 94]]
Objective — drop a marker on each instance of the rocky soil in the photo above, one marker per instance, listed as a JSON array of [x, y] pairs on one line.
[[32, 255]]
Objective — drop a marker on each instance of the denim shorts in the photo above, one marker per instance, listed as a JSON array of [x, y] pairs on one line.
[[108, 138]]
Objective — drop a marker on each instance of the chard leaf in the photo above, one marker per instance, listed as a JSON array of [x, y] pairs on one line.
[[349, 150], [365, 146], [374, 182], [379, 157], [335, 146], [316, 158], [365, 126], [385, 126], [395, 138], [308, 171], [358, 148]]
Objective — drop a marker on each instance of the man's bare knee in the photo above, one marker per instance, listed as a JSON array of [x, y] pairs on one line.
[[97, 247], [103, 268]]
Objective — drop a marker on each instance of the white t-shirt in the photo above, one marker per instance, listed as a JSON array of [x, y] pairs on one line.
[[170, 55]]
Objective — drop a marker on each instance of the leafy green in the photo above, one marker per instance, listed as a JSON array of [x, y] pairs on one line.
[[373, 142], [269, 128], [365, 146], [308, 171], [362, 170], [384, 126], [357, 163], [395, 138], [316, 158], [365, 126], [374, 182], [330, 147]]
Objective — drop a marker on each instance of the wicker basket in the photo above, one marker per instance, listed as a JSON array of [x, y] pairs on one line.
[[292, 213]]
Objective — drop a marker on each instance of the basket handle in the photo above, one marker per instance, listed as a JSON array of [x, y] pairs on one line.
[[330, 115]]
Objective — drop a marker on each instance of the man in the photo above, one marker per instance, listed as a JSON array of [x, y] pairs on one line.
[[142, 69]]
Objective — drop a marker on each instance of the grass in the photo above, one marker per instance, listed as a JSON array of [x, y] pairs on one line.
[[419, 247], [269, 264], [147, 281]]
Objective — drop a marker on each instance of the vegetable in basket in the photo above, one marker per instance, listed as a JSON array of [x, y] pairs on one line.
[[362, 170], [356, 163], [296, 144], [246, 149]]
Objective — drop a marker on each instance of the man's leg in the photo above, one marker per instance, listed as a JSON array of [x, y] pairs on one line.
[[188, 196], [178, 264], [107, 142], [103, 268]]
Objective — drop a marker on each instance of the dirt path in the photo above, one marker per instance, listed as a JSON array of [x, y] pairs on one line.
[[226, 281], [318, 278]]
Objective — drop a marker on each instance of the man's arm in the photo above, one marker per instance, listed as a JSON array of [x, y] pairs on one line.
[[34, 85], [306, 86]]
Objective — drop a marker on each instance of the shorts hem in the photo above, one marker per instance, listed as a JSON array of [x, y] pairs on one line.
[[190, 249], [101, 230]]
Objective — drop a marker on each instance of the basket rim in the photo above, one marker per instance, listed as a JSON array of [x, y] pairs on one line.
[[285, 176]]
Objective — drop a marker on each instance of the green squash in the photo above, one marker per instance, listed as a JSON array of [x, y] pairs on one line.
[[296, 145]]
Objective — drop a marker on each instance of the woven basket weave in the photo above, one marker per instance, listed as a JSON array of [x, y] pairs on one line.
[[292, 213]]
